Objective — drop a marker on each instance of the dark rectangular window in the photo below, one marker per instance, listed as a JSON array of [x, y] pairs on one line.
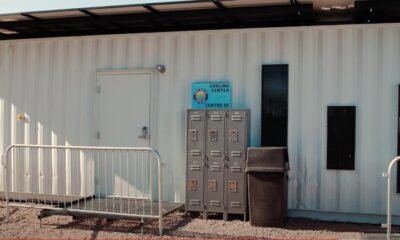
[[274, 105], [341, 137]]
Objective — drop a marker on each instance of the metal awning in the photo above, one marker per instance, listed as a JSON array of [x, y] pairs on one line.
[[195, 15]]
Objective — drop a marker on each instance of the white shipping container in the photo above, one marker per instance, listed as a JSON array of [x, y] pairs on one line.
[[53, 80]]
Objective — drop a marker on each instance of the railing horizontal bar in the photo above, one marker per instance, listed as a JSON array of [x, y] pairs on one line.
[[84, 211], [84, 147], [34, 205]]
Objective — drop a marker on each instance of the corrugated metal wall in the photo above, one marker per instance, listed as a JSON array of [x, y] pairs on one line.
[[53, 80]]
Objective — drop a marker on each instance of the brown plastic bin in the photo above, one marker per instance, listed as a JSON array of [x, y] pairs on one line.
[[266, 170]]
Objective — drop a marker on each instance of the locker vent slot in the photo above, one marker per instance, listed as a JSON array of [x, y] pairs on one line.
[[215, 117], [194, 202], [215, 168], [195, 118], [215, 153], [215, 203], [236, 154], [235, 204], [195, 167], [236, 169], [195, 153], [236, 118]]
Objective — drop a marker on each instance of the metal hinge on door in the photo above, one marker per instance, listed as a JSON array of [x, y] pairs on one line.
[[98, 89], [98, 135]]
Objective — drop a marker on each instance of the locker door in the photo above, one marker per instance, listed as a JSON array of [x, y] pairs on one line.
[[195, 160], [215, 186], [195, 134], [236, 187], [237, 127], [195, 196], [215, 135]]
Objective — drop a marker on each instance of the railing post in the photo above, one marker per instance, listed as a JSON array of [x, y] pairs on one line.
[[389, 207], [5, 176], [160, 192], [389, 198]]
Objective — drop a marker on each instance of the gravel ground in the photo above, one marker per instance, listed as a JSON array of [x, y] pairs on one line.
[[24, 224]]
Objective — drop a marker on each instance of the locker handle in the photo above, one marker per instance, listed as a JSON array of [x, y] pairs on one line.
[[233, 186]]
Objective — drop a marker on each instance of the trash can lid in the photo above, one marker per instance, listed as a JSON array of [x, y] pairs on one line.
[[267, 160]]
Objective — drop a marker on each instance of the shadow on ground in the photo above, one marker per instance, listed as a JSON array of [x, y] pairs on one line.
[[171, 225], [309, 224]]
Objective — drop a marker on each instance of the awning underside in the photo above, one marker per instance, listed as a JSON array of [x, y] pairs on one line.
[[195, 15]]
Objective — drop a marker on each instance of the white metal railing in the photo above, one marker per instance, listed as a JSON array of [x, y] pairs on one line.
[[116, 181], [388, 224]]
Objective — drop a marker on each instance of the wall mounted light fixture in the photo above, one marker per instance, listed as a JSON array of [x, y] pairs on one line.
[[23, 117], [160, 68]]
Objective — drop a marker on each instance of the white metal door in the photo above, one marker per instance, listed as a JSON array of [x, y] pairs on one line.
[[124, 110], [124, 118]]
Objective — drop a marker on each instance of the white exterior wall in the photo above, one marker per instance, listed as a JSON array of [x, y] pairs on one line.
[[53, 80]]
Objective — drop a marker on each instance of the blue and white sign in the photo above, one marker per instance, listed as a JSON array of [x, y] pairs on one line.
[[211, 95]]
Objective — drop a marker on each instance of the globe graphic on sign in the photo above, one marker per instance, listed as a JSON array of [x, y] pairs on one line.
[[200, 96]]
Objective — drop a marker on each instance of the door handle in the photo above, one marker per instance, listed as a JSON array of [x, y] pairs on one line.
[[145, 132]]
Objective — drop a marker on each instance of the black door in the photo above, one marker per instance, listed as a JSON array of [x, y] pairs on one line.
[[274, 113]]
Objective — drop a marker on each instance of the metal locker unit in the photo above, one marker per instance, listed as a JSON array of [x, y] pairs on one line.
[[237, 126], [216, 152], [215, 147], [196, 121]]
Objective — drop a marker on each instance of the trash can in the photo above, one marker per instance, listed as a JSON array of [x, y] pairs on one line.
[[266, 171]]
